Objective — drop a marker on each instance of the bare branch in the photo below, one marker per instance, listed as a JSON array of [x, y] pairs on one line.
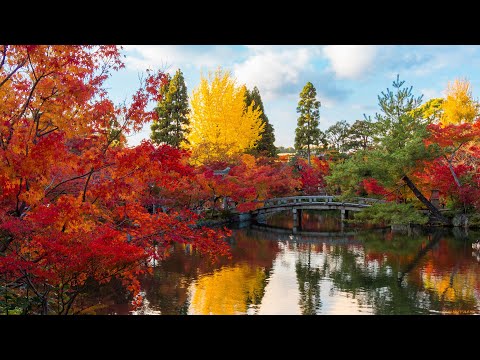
[[18, 197], [78, 177], [48, 132], [31, 65], [31, 284], [51, 183], [13, 72], [86, 185]]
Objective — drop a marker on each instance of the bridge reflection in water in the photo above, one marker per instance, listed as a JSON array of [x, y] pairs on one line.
[[280, 234]]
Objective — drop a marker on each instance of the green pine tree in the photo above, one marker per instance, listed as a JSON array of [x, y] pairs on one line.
[[307, 132], [265, 145], [172, 125], [398, 124], [399, 147]]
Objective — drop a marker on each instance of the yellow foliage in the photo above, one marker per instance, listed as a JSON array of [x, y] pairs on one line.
[[459, 106], [431, 110], [228, 291], [221, 124], [460, 287]]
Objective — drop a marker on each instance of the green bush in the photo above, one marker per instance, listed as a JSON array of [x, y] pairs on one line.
[[474, 220], [390, 213], [225, 214]]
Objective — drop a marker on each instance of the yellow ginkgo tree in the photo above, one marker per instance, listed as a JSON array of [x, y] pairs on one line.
[[459, 106], [221, 125]]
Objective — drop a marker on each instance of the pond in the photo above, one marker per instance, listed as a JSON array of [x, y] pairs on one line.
[[326, 268]]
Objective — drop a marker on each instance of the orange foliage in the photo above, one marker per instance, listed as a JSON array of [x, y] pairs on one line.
[[73, 208]]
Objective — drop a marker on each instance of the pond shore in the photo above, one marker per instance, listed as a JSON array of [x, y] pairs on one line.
[[467, 221]]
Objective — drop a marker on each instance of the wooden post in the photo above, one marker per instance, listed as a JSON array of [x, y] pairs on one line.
[[342, 214], [224, 203], [297, 218], [300, 212]]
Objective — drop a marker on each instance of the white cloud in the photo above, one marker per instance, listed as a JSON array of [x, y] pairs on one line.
[[350, 61], [425, 60], [274, 68], [171, 57], [277, 70]]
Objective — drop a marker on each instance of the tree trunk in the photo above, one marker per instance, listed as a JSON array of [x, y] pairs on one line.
[[44, 306], [419, 256], [308, 153], [457, 181], [5, 240], [433, 210]]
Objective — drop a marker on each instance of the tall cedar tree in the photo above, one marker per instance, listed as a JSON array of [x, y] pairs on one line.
[[265, 145], [307, 132], [172, 125]]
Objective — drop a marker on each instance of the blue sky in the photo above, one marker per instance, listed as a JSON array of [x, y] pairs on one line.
[[348, 78]]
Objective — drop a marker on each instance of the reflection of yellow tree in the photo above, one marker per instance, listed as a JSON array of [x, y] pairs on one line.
[[228, 290], [456, 288]]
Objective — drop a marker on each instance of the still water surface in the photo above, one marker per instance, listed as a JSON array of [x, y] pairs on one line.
[[327, 268]]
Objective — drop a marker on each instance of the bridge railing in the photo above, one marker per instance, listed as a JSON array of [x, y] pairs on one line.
[[297, 199], [368, 201], [318, 199]]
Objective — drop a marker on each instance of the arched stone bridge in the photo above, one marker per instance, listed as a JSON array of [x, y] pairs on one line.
[[299, 203]]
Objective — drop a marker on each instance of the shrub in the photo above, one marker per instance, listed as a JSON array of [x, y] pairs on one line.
[[390, 213]]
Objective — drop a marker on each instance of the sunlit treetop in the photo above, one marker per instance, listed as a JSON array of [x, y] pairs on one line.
[[221, 125], [459, 106]]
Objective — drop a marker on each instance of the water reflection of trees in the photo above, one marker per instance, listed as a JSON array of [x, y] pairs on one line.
[[167, 290], [308, 278], [371, 283], [229, 290], [397, 274], [229, 286], [386, 272]]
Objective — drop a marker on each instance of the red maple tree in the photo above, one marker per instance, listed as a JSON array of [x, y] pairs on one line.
[[74, 200], [455, 172]]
